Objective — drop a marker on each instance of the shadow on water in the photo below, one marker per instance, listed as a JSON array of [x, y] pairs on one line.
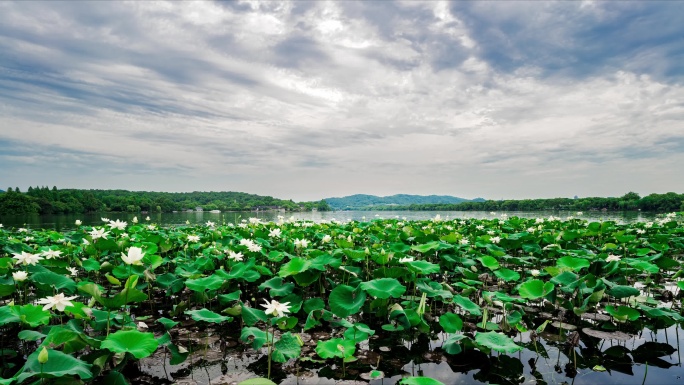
[[647, 357]]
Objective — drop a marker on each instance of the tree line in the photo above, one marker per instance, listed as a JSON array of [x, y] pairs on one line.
[[631, 201], [43, 200]]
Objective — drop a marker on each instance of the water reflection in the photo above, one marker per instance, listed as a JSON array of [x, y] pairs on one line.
[[64, 222]]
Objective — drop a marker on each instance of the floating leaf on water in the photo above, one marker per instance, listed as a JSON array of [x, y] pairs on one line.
[[420, 381], [563, 325], [257, 381], [373, 375], [497, 341], [616, 335], [596, 317]]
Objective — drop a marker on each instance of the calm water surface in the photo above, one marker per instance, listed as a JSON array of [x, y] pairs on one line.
[[66, 221]]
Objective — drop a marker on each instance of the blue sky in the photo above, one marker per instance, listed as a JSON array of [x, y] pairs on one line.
[[312, 99]]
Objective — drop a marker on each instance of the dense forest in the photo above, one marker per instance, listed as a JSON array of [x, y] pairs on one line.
[[357, 201], [43, 200], [631, 201]]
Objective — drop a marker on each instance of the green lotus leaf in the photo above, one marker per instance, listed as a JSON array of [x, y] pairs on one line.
[[318, 304], [207, 315], [251, 315], [420, 381], [139, 344], [287, 347], [8, 315], [170, 282], [451, 323], [254, 335], [212, 282], [467, 305], [295, 266], [278, 287], [335, 347], [535, 289], [497, 341], [58, 365], [623, 313], [507, 275], [384, 288], [644, 266], [167, 323], [452, 345], [426, 248], [30, 335], [423, 267], [572, 263], [257, 381], [230, 297], [489, 262], [32, 315], [59, 281], [620, 291], [345, 301]]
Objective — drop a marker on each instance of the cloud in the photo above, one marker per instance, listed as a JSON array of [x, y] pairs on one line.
[[305, 100]]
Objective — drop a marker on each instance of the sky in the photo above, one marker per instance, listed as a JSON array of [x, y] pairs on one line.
[[306, 100]]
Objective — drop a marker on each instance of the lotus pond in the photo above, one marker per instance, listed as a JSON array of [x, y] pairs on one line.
[[504, 300]]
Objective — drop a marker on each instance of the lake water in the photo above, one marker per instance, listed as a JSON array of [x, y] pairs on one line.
[[66, 221]]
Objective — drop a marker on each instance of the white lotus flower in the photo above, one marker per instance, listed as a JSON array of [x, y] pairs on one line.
[[151, 227], [134, 256], [327, 238], [99, 233], [534, 272], [210, 224], [495, 239], [480, 227], [58, 301], [276, 308], [27, 258], [235, 256], [134, 220], [193, 238], [147, 218], [301, 243], [19, 276], [117, 224], [406, 259], [464, 241], [78, 222], [274, 233], [105, 219], [22, 230], [255, 248], [612, 258], [49, 254], [73, 271]]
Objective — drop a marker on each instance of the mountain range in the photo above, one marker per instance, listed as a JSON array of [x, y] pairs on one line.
[[360, 201]]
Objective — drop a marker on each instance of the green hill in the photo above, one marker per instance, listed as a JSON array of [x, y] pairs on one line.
[[362, 201]]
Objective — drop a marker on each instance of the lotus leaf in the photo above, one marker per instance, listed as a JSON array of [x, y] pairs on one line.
[[497, 341], [384, 288], [345, 301], [207, 316], [139, 344]]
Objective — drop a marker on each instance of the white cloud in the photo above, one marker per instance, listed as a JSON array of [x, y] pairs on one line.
[[306, 100]]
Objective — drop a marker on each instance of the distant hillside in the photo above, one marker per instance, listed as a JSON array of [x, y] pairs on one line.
[[361, 201]]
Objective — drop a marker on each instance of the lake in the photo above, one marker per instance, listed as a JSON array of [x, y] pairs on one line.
[[63, 222]]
